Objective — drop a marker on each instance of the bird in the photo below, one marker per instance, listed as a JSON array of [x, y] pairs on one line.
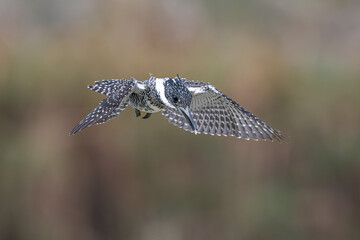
[[194, 106]]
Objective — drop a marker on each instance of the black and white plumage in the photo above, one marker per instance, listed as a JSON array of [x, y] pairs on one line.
[[194, 106]]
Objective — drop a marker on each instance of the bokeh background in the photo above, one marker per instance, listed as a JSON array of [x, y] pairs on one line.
[[293, 63]]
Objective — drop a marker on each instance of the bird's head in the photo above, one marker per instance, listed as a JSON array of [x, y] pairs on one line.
[[179, 97]]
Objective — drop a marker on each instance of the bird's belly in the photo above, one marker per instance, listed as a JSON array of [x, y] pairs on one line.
[[147, 108], [143, 104]]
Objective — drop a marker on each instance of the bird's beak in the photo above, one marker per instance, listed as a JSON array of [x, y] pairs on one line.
[[187, 114]]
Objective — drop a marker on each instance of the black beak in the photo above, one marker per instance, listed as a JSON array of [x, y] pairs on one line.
[[187, 114]]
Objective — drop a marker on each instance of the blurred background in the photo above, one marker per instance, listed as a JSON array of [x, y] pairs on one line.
[[293, 63]]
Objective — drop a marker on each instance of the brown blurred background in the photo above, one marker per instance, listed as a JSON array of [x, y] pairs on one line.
[[293, 63]]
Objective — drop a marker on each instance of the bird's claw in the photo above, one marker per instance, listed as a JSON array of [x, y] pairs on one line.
[[147, 115], [137, 113]]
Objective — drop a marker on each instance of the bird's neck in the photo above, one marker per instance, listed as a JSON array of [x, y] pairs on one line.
[[160, 89]]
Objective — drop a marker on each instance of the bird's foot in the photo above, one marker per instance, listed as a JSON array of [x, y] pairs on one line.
[[137, 113], [147, 115]]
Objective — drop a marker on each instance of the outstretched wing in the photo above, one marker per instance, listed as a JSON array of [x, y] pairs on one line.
[[109, 107], [216, 113]]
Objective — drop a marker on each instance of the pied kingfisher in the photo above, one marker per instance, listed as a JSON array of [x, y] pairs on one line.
[[194, 106]]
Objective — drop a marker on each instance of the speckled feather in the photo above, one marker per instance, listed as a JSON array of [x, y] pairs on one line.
[[106, 87], [109, 107]]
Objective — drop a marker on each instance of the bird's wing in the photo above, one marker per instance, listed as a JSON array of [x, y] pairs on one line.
[[109, 107], [216, 113], [106, 87]]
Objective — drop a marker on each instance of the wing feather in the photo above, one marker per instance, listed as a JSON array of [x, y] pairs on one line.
[[106, 87], [216, 113], [110, 107]]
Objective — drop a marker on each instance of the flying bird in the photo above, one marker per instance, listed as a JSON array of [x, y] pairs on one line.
[[197, 107]]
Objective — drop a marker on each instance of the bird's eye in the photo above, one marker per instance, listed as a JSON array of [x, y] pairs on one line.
[[175, 99]]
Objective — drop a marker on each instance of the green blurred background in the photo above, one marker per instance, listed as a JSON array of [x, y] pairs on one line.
[[293, 63]]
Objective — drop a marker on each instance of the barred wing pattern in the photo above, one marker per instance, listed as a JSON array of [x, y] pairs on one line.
[[109, 107], [216, 113]]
